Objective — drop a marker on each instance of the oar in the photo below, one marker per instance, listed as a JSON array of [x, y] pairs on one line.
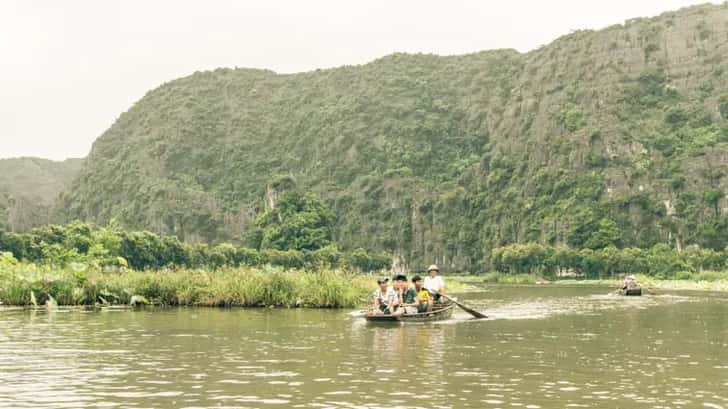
[[467, 309], [358, 313]]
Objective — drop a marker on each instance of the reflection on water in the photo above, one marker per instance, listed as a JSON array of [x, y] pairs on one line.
[[546, 347]]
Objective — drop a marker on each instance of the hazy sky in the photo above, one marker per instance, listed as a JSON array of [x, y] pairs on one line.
[[69, 68]]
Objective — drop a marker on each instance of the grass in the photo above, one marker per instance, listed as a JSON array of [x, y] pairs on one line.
[[20, 284], [27, 284], [250, 287]]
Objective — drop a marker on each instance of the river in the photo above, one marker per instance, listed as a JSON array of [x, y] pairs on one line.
[[544, 347]]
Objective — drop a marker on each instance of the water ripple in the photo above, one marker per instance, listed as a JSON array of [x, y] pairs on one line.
[[547, 348]]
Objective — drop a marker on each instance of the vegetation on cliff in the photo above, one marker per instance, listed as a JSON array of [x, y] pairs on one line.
[[29, 188], [615, 137]]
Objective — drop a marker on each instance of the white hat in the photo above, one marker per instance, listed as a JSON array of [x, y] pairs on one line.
[[432, 267]]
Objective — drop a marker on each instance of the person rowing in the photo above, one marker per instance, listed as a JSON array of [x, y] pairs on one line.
[[629, 282], [436, 285], [434, 282]]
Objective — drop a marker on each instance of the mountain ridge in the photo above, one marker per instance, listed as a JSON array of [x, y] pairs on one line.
[[29, 187], [441, 159]]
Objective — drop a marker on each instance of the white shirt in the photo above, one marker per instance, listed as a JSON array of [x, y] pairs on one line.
[[384, 298], [434, 283]]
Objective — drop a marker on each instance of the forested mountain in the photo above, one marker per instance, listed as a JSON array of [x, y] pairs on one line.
[[611, 137], [29, 188]]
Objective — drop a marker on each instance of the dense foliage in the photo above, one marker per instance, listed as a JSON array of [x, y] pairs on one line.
[[84, 244], [660, 261], [298, 222], [610, 138]]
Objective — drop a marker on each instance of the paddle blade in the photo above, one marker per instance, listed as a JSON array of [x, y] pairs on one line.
[[471, 311], [465, 308]]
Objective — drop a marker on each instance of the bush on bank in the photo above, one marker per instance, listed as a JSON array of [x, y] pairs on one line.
[[660, 261], [111, 249]]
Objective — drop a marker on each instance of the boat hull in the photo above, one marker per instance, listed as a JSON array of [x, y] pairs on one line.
[[437, 314], [632, 292]]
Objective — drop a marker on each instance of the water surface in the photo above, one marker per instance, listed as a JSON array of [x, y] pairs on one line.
[[545, 347]]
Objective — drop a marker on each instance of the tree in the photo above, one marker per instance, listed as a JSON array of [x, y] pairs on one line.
[[142, 249], [590, 232], [299, 222], [664, 261], [606, 234], [15, 243], [363, 261], [712, 199], [592, 264], [566, 258], [632, 260], [713, 233]]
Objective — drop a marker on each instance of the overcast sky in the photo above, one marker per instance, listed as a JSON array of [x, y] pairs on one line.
[[69, 68]]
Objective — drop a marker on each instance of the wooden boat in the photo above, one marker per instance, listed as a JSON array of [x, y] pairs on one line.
[[637, 291], [441, 311]]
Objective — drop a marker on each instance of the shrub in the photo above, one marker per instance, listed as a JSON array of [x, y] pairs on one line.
[[572, 118], [288, 259], [676, 117], [249, 257], [684, 275], [711, 276], [329, 256], [360, 260], [7, 259]]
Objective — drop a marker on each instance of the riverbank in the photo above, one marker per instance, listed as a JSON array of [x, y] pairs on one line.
[[246, 287], [705, 281], [27, 284]]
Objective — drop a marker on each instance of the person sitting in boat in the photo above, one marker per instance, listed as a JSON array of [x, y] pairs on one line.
[[399, 283], [406, 296], [434, 282], [424, 301], [384, 298], [629, 282]]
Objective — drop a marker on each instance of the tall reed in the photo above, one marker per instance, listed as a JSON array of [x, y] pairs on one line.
[[264, 286]]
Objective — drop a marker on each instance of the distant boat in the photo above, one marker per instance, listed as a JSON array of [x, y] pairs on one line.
[[439, 312], [631, 291]]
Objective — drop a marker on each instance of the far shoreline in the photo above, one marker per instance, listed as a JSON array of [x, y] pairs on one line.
[[646, 282]]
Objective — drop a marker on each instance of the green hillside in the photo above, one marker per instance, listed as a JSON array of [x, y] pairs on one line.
[[29, 188], [611, 137]]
